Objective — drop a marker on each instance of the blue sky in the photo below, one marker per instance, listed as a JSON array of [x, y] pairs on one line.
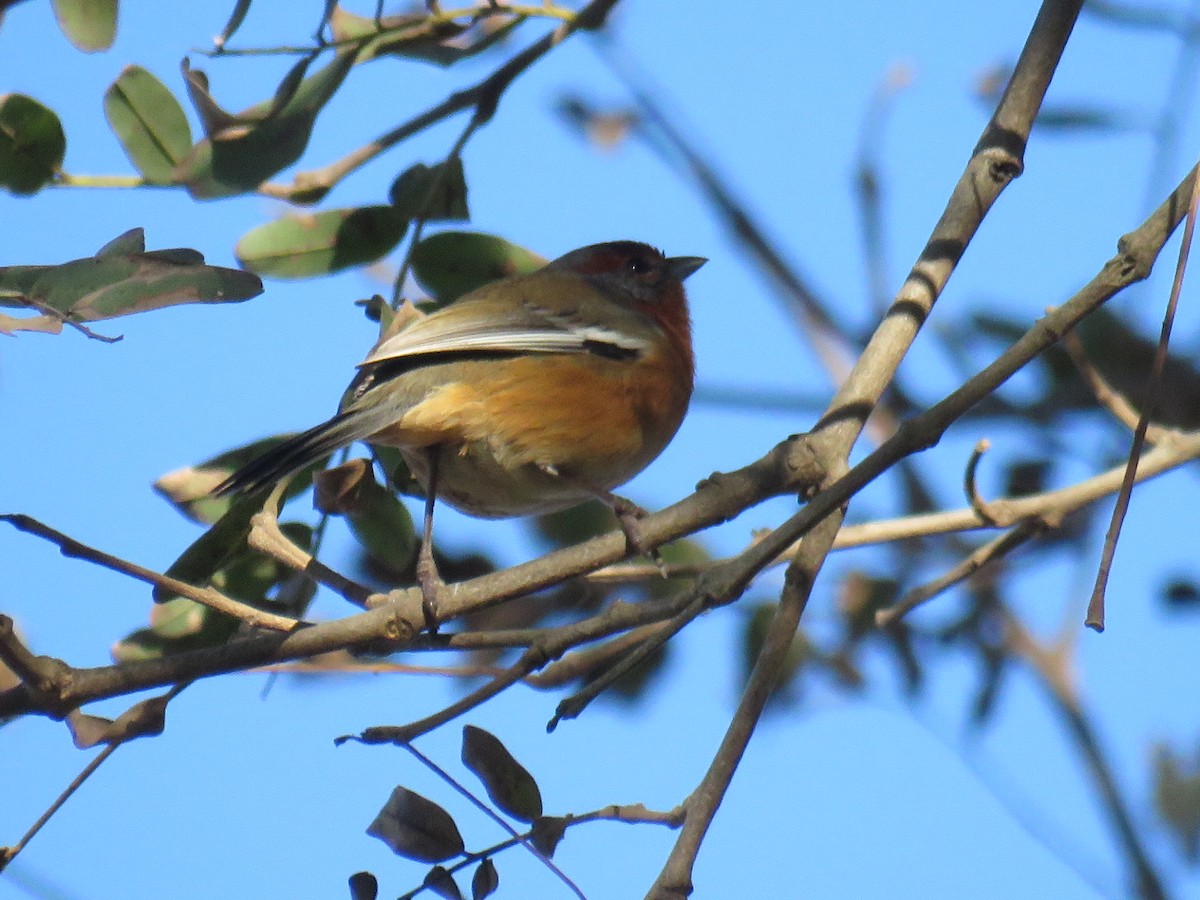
[[841, 798]]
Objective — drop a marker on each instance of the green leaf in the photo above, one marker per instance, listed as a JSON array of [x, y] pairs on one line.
[[189, 489], [214, 549], [122, 279], [303, 246], [132, 241], [178, 626], [240, 8], [254, 577], [32, 144], [799, 652], [242, 151], [398, 35], [446, 53], [381, 522], [434, 193], [178, 618], [213, 117], [416, 828], [576, 524], [415, 37], [507, 782], [452, 263], [90, 25], [149, 122]]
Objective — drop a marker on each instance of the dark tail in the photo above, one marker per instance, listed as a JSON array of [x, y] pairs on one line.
[[294, 453]]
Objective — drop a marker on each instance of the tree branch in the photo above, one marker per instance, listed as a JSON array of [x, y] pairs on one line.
[[996, 161]]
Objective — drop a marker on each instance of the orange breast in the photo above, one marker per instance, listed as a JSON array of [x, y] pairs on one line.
[[597, 420]]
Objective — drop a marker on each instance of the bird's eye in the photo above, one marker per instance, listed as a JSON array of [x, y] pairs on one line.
[[638, 265]]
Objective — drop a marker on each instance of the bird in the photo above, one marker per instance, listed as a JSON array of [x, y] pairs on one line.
[[529, 394]]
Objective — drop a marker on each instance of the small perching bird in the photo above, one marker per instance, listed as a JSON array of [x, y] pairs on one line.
[[529, 394]]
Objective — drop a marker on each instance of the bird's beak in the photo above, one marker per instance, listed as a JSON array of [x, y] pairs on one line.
[[681, 267]]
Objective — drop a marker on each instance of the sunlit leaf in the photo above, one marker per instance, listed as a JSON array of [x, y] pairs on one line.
[[184, 626], [90, 25], [236, 17], [41, 324], [303, 246], [452, 263], [189, 489], [121, 280], [242, 151], [149, 122], [178, 618], [416, 37]]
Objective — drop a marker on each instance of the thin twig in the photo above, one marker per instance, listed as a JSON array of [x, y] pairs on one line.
[[10, 853], [209, 597], [998, 158], [995, 549], [971, 489], [1120, 408], [629, 814], [410, 29], [868, 181], [351, 665], [64, 317], [483, 97], [675, 879], [1095, 612], [1052, 667], [827, 338], [405, 734], [523, 840], [267, 537], [434, 188], [584, 661], [572, 706]]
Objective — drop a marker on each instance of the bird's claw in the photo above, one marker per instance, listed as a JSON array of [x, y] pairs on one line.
[[629, 515], [431, 587]]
